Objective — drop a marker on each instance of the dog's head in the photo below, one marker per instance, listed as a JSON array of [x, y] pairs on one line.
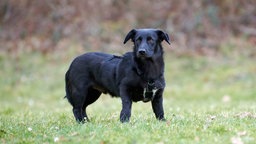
[[147, 42]]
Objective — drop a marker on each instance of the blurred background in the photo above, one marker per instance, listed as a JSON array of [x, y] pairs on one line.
[[100, 25], [213, 43]]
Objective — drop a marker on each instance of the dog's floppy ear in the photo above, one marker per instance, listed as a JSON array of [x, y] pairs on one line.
[[130, 35], [163, 36]]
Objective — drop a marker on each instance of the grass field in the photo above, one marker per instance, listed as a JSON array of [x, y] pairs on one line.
[[207, 100]]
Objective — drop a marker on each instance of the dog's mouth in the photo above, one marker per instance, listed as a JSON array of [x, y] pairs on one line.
[[143, 56]]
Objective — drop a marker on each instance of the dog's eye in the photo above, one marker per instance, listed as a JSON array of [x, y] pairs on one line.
[[138, 40], [150, 40]]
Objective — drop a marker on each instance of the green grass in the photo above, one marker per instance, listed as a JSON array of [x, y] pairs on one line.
[[207, 100]]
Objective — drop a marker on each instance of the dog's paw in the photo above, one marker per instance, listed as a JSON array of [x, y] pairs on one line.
[[124, 119], [163, 120]]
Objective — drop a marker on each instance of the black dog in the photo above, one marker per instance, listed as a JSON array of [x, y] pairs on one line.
[[136, 76]]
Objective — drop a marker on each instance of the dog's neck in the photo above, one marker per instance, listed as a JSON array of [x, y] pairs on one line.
[[150, 69]]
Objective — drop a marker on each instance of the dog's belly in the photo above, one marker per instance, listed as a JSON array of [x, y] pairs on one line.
[[105, 90], [105, 76]]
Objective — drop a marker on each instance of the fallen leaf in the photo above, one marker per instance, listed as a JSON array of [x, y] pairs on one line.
[[30, 129], [246, 115], [242, 133], [56, 139], [236, 140], [197, 139], [226, 98], [74, 134], [212, 117], [168, 122]]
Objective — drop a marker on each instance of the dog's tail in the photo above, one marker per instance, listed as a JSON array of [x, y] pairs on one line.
[[68, 86]]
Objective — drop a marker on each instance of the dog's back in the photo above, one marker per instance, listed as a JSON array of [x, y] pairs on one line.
[[96, 69]]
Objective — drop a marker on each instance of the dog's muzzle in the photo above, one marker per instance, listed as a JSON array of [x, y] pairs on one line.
[[142, 53]]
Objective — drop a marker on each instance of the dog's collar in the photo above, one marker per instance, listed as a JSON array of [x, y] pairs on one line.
[[150, 86]]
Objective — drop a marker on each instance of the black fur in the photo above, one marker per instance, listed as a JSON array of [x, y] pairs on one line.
[[136, 76]]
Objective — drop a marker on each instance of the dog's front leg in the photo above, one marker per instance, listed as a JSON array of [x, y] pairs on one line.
[[126, 105], [157, 105]]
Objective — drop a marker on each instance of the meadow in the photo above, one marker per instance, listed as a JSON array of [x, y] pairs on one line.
[[208, 99]]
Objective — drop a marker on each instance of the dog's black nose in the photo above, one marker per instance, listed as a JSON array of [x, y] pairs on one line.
[[142, 52]]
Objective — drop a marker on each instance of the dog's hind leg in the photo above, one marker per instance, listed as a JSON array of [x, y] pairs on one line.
[[91, 97], [77, 103], [76, 99]]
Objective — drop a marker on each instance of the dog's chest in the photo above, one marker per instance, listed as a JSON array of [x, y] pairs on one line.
[[143, 93], [149, 94]]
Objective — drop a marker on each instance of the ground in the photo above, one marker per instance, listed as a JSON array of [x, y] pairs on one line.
[[208, 99]]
